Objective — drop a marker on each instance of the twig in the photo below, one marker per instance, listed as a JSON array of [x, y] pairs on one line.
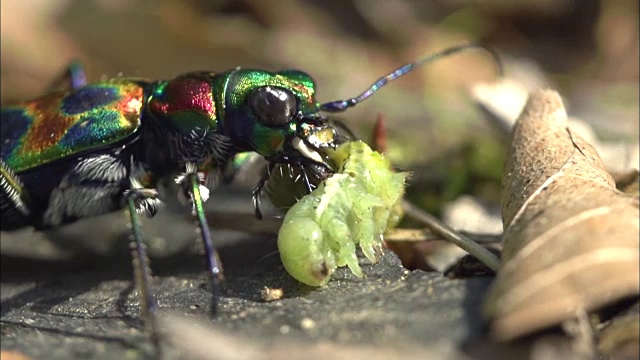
[[424, 234], [447, 233]]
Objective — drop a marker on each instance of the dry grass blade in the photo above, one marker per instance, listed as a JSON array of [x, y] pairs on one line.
[[447, 233], [571, 239]]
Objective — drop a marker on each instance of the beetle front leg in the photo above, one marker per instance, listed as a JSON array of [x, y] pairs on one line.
[[191, 183], [257, 191]]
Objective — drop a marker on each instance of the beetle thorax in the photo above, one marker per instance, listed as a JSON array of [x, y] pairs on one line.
[[185, 110]]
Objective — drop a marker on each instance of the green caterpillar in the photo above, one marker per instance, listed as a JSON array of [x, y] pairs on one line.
[[355, 206]]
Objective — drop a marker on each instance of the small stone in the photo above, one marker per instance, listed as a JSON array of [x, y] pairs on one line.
[[307, 324], [285, 329]]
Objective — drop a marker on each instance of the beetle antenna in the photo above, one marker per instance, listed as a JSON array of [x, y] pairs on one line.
[[342, 105]]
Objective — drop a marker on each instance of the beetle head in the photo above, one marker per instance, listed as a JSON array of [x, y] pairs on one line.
[[275, 115]]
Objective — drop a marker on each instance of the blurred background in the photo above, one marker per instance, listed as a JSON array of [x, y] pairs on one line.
[[587, 50]]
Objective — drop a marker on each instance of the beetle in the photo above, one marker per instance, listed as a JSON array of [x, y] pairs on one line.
[[97, 148]]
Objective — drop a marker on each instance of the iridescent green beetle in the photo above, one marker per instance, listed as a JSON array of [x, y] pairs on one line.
[[97, 148], [101, 147]]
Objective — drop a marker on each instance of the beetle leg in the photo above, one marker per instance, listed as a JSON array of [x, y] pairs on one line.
[[257, 191], [72, 78], [146, 201], [305, 178], [14, 201], [141, 267], [191, 182]]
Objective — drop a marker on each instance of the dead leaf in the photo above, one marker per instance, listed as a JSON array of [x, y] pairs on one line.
[[628, 182], [571, 238], [619, 339]]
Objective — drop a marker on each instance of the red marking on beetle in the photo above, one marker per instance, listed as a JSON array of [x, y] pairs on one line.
[[130, 105], [158, 107], [277, 142], [306, 93], [49, 126], [186, 94]]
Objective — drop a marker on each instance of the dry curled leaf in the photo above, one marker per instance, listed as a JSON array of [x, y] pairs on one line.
[[619, 338], [570, 237]]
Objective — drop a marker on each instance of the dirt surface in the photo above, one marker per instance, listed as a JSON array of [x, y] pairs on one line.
[[85, 307]]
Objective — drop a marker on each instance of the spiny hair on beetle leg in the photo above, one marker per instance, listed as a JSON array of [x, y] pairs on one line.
[[182, 179], [11, 185], [147, 205], [204, 193], [202, 144]]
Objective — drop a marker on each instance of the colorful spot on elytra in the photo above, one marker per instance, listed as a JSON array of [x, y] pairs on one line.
[[14, 124], [47, 128], [132, 104], [53, 133], [100, 126], [88, 98]]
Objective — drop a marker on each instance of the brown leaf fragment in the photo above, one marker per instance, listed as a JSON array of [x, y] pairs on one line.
[[570, 237], [13, 355], [620, 339], [628, 182]]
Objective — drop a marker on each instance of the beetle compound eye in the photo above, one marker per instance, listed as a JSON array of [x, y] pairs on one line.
[[273, 106]]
